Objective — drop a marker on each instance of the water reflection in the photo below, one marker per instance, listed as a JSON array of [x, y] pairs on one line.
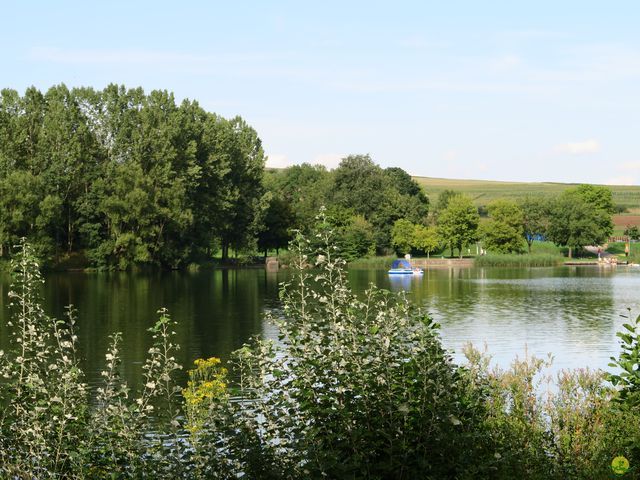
[[570, 312]]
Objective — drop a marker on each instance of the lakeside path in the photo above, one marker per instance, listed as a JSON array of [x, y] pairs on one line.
[[603, 253]]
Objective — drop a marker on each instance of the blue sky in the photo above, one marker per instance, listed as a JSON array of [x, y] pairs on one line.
[[547, 91]]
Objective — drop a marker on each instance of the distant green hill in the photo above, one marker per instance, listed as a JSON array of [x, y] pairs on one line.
[[483, 191]]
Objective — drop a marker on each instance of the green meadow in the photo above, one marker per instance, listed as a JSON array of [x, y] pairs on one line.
[[484, 191]]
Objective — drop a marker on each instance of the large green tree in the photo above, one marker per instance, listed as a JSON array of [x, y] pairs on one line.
[[535, 218], [427, 239], [275, 231], [305, 188], [600, 200], [458, 223], [402, 235], [381, 196], [503, 231], [575, 223]]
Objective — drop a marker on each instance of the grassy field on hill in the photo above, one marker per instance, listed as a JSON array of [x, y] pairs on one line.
[[483, 191]]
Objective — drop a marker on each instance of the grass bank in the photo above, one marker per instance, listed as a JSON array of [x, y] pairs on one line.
[[543, 254], [373, 262], [517, 260]]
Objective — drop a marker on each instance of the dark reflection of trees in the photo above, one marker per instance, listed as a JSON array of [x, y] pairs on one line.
[[217, 311]]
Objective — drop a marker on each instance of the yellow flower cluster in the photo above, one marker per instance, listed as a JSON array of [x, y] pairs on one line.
[[206, 363], [207, 382]]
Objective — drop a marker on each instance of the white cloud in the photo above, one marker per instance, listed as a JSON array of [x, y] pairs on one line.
[[329, 160], [622, 180], [277, 160], [580, 148]]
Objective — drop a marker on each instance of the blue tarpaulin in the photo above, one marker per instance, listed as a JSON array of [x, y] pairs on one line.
[[401, 263]]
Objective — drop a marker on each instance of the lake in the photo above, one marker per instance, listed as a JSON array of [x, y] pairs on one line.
[[571, 312]]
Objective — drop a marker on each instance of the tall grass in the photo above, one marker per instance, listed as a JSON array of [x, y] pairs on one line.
[[516, 260], [373, 262], [547, 247]]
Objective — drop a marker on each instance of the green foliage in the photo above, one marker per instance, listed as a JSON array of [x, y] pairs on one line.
[[628, 363], [402, 235], [276, 225], [130, 178], [49, 428], [406, 237], [356, 387], [380, 196], [43, 409], [632, 232], [357, 188], [372, 262], [427, 239], [305, 188], [503, 232], [444, 197], [349, 392], [517, 260], [535, 218], [571, 431], [355, 239], [458, 223], [575, 223], [484, 191]]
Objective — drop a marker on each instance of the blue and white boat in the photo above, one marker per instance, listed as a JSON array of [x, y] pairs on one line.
[[403, 267]]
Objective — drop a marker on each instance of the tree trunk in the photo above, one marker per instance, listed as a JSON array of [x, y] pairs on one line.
[[69, 232], [529, 245], [570, 252], [225, 250]]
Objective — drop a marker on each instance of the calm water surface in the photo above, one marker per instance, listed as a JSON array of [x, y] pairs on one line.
[[570, 312]]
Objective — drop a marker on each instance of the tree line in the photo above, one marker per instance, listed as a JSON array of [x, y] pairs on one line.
[[580, 216], [362, 201], [118, 177], [125, 177]]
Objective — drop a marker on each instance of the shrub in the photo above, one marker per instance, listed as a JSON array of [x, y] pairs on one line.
[[48, 426], [570, 430], [354, 389]]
